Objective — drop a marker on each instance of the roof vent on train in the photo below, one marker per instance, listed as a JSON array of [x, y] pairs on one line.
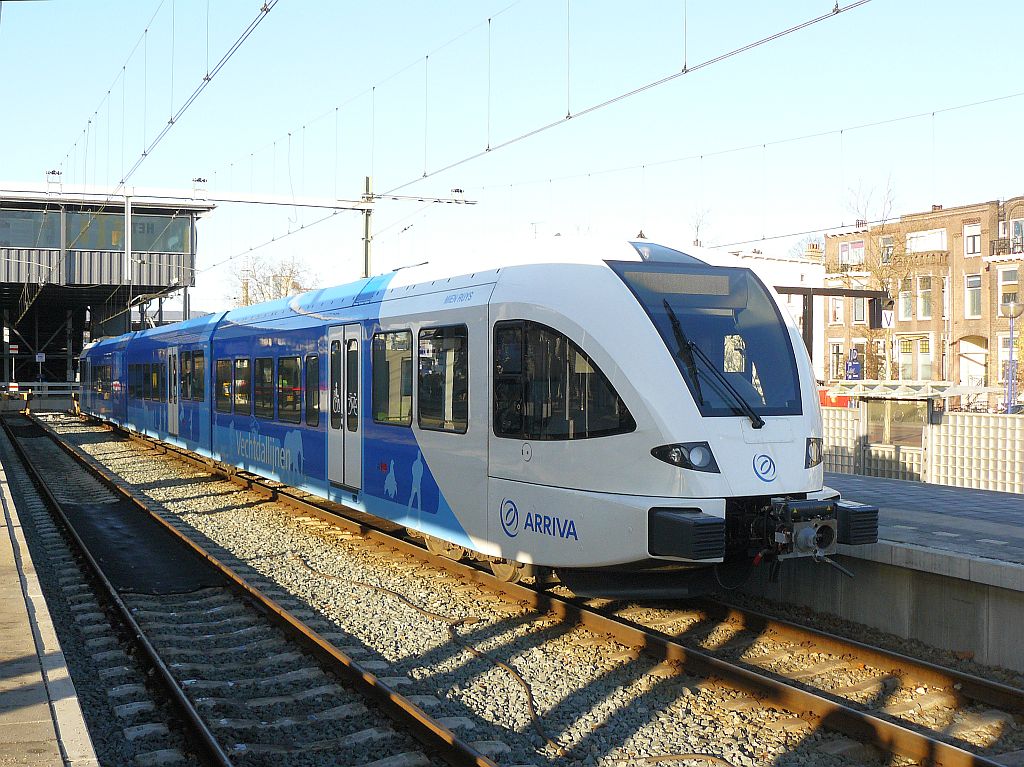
[[651, 251]]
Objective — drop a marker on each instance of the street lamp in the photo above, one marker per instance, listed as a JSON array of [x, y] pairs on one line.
[[1011, 310]]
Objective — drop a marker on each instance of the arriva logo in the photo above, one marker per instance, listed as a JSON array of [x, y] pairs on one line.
[[764, 467], [540, 524], [509, 518]]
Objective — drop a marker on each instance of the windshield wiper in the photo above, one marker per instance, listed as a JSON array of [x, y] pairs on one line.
[[686, 350]]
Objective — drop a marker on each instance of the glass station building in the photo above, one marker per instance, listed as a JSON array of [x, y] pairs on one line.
[[65, 275]]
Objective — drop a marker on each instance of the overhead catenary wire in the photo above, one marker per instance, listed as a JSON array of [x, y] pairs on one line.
[[635, 91], [700, 156]]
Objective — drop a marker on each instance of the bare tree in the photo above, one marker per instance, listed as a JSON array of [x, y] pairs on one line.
[[699, 221], [262, 280], [885, 267]]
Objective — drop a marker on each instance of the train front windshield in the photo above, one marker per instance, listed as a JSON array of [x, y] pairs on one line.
[[725, 333]]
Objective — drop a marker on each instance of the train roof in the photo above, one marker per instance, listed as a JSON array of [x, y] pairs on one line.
[[488, 261]]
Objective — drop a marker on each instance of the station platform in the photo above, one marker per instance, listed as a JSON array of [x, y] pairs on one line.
[[948, 569], [41, 722], [959, 520]]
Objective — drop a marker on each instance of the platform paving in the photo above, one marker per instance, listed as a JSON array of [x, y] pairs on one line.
[[960, 520], [41, 723]]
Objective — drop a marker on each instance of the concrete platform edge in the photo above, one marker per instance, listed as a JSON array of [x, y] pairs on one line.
[[70, 730], [968, 605], [981, 570]]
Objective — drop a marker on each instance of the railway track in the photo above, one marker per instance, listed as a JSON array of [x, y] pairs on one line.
[[250, 677], [901, 706]]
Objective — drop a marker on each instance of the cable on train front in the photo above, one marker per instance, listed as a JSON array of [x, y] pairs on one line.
[[751, 382]]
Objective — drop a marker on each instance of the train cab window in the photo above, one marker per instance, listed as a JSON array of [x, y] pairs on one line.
[[243, 383], [313, 390], [223, 394], [443, 382], [352, 372], [336, 406], [161, 382], [392, 378], [545, 387], [186, 375], [198, 376], [263, 388], [289, 389]]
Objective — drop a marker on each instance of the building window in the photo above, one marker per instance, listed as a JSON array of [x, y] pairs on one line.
[[1017, 235], [906, 359], [289, 389], [443, 383], [222, 396], [263, 388], [835, 310], [924, 242], [972, 296], [886, 246], [545, 387], [242, 386], [860, 310], [972, 240], [392, 378], [924, 298], [1008, 285], [924, 359], [851, 253], [835, 360], [906, 299]]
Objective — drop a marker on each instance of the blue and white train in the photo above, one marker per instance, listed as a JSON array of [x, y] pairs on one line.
[[585, 406]]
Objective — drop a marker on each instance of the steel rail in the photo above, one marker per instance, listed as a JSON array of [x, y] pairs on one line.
[[422, 726], [202, 734], [889, 736]]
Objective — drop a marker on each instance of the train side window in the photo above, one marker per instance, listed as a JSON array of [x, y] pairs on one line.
[[131, 382], [147, 382], [313, 390], [223, 398], [392, 378], [243, 385], [198, 376], [352, 376], [336, 406], [263, 387], [154, 382], [161, 382], [443, 381], [546, 387], [289, 389], [186, 375], [172, 392], [508, 383]]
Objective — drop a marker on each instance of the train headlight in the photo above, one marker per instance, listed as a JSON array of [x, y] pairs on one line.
[[814, 452], [688, 455]]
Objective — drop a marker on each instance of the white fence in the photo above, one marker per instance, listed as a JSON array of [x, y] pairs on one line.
[[965, 450]]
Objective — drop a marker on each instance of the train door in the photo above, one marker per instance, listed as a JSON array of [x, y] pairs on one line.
[[172, 391], [344, 442]]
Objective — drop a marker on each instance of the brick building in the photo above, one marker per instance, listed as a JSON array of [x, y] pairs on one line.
[[948, 271]]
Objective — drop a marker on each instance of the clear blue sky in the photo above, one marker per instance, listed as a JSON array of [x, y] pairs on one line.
[[309, 67]]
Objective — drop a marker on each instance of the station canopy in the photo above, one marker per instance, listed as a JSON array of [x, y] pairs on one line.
[[905, 390]]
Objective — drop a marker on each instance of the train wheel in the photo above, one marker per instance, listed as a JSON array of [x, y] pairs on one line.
[[444, 548], [504, 570]]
